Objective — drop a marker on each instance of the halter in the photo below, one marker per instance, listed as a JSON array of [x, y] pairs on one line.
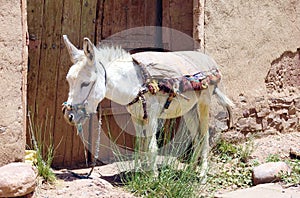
[[79, 108]]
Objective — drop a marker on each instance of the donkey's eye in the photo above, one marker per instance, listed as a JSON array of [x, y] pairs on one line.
[[84, 84]]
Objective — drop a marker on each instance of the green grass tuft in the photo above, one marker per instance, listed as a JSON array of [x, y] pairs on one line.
[[230, 167], [292, 178], [273, 158], [169, 183], [171, 180], [44, 149]]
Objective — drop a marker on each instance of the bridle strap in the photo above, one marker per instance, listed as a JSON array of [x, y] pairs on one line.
[[82, 105], [105, 75], [84, 101]]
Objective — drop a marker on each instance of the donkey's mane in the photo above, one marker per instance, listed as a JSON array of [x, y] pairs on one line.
[[107, 54]]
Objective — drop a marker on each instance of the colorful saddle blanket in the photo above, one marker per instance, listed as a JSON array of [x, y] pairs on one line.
[[174, 73], [196, 82]]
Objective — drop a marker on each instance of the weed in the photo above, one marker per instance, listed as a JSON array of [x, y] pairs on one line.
[[292, 178], [273, 158], [45, 153], [235, 168], [227, 151], [171, 180], [245, 151], [169, 183], [232, 165]]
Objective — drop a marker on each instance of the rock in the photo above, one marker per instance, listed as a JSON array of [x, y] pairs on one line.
[[297, 103], [252, 112], [261, 191], [259, 99], [295, 153], [282, 111], [242, 98], [269, 172], [265, 124], [233, 137], [280, 103], [17, 179], [263, 113], [248, 124], [292, 110], [242, 123], [246, 113], [291, 122]]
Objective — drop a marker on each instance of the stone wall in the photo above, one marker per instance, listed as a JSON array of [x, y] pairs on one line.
[[13, 56], [256, 44]]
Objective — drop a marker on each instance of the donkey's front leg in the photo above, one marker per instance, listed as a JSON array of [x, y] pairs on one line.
[[151, 144], [146, 144]]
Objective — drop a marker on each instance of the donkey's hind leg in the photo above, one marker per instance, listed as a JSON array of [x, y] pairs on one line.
[[201, 141]]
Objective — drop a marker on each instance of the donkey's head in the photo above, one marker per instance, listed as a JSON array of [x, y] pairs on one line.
[[86, 82]]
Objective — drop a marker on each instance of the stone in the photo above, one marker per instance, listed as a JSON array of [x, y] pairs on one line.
[[282, 111], [263, 113], [295, 153], [292, 110], [265, 124], [17, 179], [252, 112], [297, 103], [280, 103], [262, 191], [246, 113], [277, 119], [259, 99], [291, 122], [233, 137], [269, 172], [248, 124], [242, 99]]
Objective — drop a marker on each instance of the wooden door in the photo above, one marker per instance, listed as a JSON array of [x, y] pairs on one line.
[[49, 61]]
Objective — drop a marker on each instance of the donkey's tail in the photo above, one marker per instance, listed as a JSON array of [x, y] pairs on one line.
[[227, 103]]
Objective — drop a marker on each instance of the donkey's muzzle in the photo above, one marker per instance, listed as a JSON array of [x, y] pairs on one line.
[[68, 113], [74, 114]]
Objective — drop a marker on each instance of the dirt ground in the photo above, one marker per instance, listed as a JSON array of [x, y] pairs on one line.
[[68, 185]]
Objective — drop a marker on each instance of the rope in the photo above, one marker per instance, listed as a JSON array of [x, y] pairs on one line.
[[97, 146]]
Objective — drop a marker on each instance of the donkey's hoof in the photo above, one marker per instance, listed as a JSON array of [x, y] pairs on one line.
[[155, 173]]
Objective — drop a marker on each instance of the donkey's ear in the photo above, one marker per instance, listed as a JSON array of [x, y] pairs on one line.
[[73, 51], [88, 48]]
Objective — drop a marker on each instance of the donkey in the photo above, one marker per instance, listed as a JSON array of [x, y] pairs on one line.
[[111, 72]]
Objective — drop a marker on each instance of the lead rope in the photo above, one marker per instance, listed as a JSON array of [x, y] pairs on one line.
[[97, 146], [99, 113]]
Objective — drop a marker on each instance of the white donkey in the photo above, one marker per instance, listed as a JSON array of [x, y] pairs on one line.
[[110, 72]]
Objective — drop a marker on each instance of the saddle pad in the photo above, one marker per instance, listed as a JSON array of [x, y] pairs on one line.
[[174, 64]]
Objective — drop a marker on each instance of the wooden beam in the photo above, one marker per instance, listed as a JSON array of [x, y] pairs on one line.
[[25, 43], [198, 23]]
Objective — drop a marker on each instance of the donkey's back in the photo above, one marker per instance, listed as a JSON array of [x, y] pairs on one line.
[[174, 64]]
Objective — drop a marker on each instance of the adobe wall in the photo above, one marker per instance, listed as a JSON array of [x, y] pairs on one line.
[[256, 43], [12, 86]]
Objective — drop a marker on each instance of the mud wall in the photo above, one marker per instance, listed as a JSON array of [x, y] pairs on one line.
[[255, 43], [13, 56]]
